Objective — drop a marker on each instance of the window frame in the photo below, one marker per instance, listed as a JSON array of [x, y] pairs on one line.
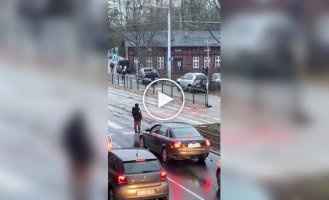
[[217, 61], [206, 59], [196, 59], [160, 60]]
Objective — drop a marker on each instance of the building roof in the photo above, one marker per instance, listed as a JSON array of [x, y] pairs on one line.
[[179, 39]]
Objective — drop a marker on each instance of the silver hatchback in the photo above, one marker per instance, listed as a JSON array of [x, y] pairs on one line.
[[193, 82], [136, 174]]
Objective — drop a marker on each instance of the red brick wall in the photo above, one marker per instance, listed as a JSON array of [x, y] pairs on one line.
[[186, 55]]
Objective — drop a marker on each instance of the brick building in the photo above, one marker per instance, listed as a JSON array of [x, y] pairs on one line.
[[187, 49]]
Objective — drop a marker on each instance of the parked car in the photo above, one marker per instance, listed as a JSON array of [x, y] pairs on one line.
[[109, 142], [191, 81], [123, 70], [126, 66], [147, 72], [136, 174], [216, 80], [175, 141]]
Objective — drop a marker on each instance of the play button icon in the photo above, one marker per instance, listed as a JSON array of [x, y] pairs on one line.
[[163, 99]]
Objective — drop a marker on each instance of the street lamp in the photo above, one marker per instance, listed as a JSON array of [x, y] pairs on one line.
[[207, 71], [169, 59]]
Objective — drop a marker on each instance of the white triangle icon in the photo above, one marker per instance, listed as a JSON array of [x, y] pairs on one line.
[[163, 99]]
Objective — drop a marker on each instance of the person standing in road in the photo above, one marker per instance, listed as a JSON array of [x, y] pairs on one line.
[[137, 114], [112, 67]]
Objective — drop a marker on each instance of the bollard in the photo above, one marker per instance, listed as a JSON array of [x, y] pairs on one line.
[[193, 96], [124, 81], [205, 99], [153, 88], [162, 87], [171, 90], [131, 82], [112, 78], [118, 79], [137, 80]]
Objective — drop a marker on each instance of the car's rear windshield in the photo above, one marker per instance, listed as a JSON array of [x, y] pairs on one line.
[[185, 132], [139, 167], [148, 70], [201, 77]]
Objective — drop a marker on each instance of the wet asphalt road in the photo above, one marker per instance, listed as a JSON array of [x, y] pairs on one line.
[[188, 179]]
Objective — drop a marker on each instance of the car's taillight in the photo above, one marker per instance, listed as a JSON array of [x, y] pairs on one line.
[[176, 144], [207, 143], [122, 180], [163, 176]]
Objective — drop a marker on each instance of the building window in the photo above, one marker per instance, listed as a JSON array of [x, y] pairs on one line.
[[206, 62], [195, 62], [217, 61], [149, 62], [160, 62]]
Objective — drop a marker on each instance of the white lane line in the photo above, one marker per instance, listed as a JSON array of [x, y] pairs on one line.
[[184, 188], [114, 125], [128, 133]]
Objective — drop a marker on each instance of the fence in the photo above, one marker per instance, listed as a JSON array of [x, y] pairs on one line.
[[130, 82]]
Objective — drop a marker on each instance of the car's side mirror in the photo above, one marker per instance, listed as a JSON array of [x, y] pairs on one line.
[[148, 130]]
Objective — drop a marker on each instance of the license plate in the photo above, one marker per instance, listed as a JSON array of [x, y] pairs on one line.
[[191, 145], [145, 192]]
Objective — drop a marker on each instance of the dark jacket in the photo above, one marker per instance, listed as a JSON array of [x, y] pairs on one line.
[[137, 113]]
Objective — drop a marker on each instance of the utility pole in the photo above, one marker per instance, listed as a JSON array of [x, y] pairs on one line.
[[207, 73], [169, 43]]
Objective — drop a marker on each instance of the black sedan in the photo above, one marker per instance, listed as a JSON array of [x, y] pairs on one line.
[[175, 141]]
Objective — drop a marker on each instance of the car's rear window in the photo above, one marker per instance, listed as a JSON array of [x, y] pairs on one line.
[[148, 70], [134, 167], [201, 77], [185, 132]]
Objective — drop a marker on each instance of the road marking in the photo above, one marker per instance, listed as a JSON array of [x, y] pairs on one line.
[[114, 125], [128, 133], [184, 188]]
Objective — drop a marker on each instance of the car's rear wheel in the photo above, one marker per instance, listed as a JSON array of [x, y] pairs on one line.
[[164, 156], [141, 142], [111, 194]]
